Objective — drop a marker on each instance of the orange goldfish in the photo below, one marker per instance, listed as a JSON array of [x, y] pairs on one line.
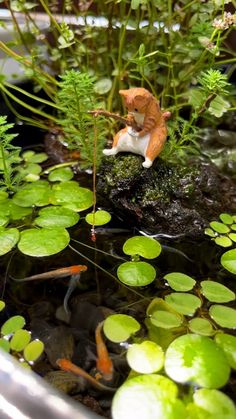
[[56, 273], [104, 362]]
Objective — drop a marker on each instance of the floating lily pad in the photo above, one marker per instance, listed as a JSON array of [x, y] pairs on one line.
[[196, 359], [33, 168], [142, 246], [179, 281], [4, 345], [183, 303], [119, 327], [8, 239], [228, 344], [71, 195], [146, 357], [57, 217], [216, 293], [223, 241], [20, 340], [136, 274], [12, 211], [226, 218], [63, 174], [223, 316], [36, 194], [98, 218], [232, 237], [33, 157], [228, 261], [233, 227], [210, 232], [2, 305], [201, 326], [12, 325], [213, 404], [33, 350], [219, 227], [166, 319], [3, 195], [44, 241], [148, 396], [4, 221]]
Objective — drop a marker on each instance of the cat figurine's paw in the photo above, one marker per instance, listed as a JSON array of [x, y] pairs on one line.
[[110, 151], [147, 163]]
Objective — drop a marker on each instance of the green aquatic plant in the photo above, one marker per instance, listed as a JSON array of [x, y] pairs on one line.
[[17, 341]]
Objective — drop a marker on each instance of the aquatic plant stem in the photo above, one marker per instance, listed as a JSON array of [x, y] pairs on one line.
[[107, 273], [99, 250]]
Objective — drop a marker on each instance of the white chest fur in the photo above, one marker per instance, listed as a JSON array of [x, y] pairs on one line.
[[138, 117], [133, 144]]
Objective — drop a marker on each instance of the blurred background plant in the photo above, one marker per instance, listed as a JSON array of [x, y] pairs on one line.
[[166, 47]]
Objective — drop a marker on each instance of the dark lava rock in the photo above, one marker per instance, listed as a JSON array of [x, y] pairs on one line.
[[166, 198]]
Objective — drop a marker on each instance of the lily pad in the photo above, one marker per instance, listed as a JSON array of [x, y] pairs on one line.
[[70, 195], [196, 359], [146, 357], [57, 217], [12, 325], [226, 218], [232, 237], [119, 327], [201, 326], [136, 274], [166, 319], [2, 305], [183, 303], [148, 396], [20, 340], [63, 174], [216, 293], [33, 350], [103, 86], [228, 344], [33, 157], [210, 232], [98, 218], [8, 239], [223, 241], [3, 195], [36, 194], [214, 404], [142, 246], [4, 345], [44, 241], [179, 281], [228, 261], [223, 316], [219, 227]]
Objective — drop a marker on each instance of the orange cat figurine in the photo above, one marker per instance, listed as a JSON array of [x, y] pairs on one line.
[[143, 111]]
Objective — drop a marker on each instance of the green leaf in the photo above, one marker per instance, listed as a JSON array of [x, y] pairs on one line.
[[214, 404], [33, 350], [32, 157], [2, 305], [4, 345], [3, 195], [43, 242], [201, 326], [57, 217], [4, 221], [226, 218], [136, 274], [142, 246], [146, 357], [218, 106], [119, 327], [98, 218], [224, 316], [232, 237], [223, 241], [210, 232], [30, 195], [196, 359], [228, 261], [216, 293], [233, 226], [33, 168], [12, 325], [70, 195], [166, 319], [19, 340], [103, 86], [179, 281], [63, 174], [184, 303], [219, 227], [17, 212], [195, 97], [148, 396], [8, 239], [228, 344]]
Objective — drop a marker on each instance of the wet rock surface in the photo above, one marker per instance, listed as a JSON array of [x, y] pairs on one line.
[[166, 198]]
